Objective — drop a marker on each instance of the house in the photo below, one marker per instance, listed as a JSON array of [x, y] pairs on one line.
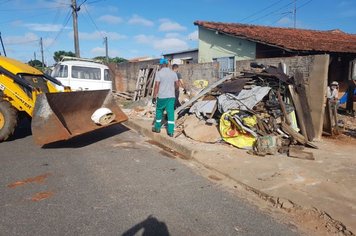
[[231, 42], [183, 57]]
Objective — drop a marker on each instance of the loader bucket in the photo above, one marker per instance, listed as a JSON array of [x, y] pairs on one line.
[[61, 116]]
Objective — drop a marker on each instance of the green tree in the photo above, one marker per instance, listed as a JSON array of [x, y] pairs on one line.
[[36, 63], [111, 60], [118, 60], [57, 55]]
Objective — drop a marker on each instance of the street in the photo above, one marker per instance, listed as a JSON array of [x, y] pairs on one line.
[[114, 182]]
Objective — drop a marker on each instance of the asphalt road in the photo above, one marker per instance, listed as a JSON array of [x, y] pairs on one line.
[[113, 182]]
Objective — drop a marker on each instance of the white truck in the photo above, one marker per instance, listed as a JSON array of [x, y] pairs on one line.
[[82, 74]]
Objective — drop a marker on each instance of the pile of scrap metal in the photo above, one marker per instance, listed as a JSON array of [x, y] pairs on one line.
[[260, 110]]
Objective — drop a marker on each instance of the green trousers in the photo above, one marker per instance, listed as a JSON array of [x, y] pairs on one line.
[[168, 105]]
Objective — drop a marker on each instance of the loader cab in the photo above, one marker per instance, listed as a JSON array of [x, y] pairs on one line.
[[82, 74]]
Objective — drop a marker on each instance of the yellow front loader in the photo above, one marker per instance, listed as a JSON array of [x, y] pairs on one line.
[[57, 112]]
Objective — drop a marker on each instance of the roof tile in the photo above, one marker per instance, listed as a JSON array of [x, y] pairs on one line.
[[288, 38]]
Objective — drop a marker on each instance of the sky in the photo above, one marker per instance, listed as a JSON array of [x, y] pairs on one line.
[[140, 28]]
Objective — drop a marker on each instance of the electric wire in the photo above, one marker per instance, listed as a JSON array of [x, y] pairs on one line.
[[262, 10], [68, 17], [92, 20], [272, 12], [287, 13]]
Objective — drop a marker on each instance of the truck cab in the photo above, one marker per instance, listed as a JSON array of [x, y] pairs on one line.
[[82, 74]]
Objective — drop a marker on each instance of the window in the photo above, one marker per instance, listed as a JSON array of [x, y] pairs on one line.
[[226, 65], [60, 71], [107, 76], [81, 72]]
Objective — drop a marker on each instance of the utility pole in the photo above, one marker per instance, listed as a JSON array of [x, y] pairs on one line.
[[2, 44], [75, 10], [41, 43], [295, 14], [106, 49], [34, 55]]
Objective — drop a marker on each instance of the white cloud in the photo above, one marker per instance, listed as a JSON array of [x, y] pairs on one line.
[[173, 35], [138, 20], [96, 35], [145, 39], [285, 21], [166, 44], [168, 25], [194, 36], [22, 39], [110, 19], [100, 51], [170, 45], [44, 27]]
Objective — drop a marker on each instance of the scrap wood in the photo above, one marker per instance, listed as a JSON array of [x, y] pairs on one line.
[[298, 152], [297, 136], [298, 110], [233, 86], [301, 90], [124, 95], [283, 107], [279, 74], [180, 125], [202, 93], [327, 124]]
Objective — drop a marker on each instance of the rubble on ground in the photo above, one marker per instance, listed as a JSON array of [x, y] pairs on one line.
[[261, 110]]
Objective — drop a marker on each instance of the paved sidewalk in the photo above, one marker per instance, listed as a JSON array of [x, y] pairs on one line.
[[328, 183]]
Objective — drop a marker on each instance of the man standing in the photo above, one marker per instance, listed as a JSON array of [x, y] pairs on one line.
[[164, 96], [180, 85]]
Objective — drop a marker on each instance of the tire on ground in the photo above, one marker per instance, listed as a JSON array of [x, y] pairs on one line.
[[8, 120]]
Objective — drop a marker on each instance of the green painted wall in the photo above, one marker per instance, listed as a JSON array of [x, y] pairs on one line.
[[212, 45]]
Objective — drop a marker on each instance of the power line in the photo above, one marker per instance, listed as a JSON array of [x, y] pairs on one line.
[[60, 32], [92, 20], [272, 12], [287, 13], [304, 4], [95, 1], [262, 10]]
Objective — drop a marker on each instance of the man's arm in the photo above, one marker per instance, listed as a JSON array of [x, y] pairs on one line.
[[176, 85], [156, 89]]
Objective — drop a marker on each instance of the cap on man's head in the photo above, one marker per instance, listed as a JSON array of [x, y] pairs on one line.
[[163, 61], [334, 83]]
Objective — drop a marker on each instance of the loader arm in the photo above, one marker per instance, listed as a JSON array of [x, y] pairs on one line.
[[17, 91]]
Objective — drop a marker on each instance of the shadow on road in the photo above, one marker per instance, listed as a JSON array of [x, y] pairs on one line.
[[150, 226], [88, 138], [22, 130]]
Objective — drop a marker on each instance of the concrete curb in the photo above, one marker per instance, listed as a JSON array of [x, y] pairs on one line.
[[162, 139]]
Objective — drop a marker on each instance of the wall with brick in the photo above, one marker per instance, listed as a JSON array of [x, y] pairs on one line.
[[302, 64], [125, 74]]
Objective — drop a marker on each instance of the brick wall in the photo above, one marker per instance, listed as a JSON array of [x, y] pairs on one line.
[[302, 64], [125, 74]]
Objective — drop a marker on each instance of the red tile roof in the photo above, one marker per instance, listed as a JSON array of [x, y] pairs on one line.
[[288, 38]]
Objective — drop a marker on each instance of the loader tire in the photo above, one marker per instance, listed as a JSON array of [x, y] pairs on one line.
[[8, 120]]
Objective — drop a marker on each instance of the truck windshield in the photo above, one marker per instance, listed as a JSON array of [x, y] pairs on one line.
[[107, 76], [81, 72], [60, 71]]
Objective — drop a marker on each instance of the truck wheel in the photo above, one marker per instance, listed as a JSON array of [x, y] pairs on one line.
[[8, 120]]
